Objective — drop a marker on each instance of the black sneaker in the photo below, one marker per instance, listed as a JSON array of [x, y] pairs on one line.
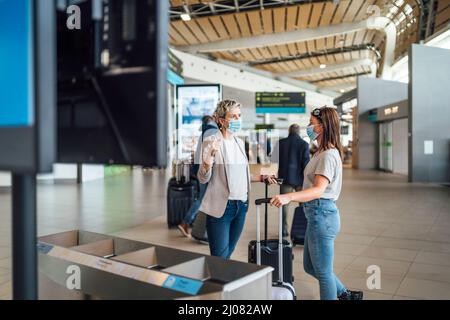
[[351, 295]]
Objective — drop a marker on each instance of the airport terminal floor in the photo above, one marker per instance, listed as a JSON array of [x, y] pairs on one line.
[[404, 228]]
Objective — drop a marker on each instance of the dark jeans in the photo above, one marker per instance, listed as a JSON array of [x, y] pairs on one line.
[[193, 210], [224, 232], [286, 188]]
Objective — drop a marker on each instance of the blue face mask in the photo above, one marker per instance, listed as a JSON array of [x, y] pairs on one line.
[[311, 133], [235, 125]]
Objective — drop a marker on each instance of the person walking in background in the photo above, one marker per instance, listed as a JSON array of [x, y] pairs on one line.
[[321, 189], [293, 158], [209, 127]]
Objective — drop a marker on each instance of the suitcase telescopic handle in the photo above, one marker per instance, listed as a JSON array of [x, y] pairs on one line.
[[258, 203]]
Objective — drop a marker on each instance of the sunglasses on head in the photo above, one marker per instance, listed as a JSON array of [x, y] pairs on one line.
[[317, 113]]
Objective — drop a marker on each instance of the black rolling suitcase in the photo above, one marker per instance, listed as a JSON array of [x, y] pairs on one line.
[[298, 229], [270, 252], [180, 196], [281, 290]]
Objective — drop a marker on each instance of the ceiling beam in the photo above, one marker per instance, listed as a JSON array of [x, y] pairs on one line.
[[276, 38], [342, 86], [207, 9], [342, 77], [329, 68], [316, 54]]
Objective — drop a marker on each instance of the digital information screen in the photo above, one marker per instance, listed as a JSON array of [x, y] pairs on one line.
[[280, 102], [194, 102], [16, 64], [197, 101]]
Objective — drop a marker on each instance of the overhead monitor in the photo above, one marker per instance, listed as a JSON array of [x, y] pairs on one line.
[[280, 102], [112, 83]]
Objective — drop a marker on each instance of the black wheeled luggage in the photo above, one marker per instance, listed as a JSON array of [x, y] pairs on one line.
[[269, 252], [281, 290], [180, 196], [269, 257]]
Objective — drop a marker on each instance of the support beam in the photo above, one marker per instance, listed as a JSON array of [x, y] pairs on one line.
[[341, 77], [329, 68], [276, 38], [317, 54], [208, 9], [343, 86]]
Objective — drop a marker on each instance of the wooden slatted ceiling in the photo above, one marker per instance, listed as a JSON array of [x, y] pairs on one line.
[[270, 20], [333, 74], [442, 15], [311, 15], [407, 29], [350, 81]]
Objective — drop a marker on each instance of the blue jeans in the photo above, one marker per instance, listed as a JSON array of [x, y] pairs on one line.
[[224, 233], [193, 210], [323, 226]]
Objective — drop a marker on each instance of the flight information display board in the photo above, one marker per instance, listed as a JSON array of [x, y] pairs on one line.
[[280, 102]]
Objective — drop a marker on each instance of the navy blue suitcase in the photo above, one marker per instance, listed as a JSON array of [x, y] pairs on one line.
[[298, 229]]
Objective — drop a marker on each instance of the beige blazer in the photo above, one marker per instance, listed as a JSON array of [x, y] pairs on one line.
[[217, 193]]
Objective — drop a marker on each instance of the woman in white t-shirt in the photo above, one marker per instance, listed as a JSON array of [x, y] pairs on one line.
[[321, 189]]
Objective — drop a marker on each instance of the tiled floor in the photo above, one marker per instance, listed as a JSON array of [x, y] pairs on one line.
[[402, 228]]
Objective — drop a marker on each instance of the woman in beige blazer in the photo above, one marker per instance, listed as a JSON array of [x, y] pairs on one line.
[[225, 168]]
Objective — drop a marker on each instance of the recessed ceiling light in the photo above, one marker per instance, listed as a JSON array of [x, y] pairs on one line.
[[323, 66], [342, 90], [185, 17]]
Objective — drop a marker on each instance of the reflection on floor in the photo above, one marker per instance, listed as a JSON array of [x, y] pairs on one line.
[[402, 228]]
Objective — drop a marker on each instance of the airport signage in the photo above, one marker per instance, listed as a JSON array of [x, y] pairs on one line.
[[280, 102]]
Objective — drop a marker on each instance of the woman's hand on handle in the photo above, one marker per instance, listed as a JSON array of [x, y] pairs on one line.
[[270, 179], [315, 192], [281, 200]]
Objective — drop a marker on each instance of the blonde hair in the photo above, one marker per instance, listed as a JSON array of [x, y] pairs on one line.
[[225, 106]]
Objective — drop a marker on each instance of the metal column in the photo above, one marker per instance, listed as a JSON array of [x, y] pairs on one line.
[[24, 236]]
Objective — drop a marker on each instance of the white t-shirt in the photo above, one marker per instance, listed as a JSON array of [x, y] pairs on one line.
[[236, 162], [328, 164]]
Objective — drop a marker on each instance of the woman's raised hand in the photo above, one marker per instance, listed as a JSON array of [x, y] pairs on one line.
[[210, 147]]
